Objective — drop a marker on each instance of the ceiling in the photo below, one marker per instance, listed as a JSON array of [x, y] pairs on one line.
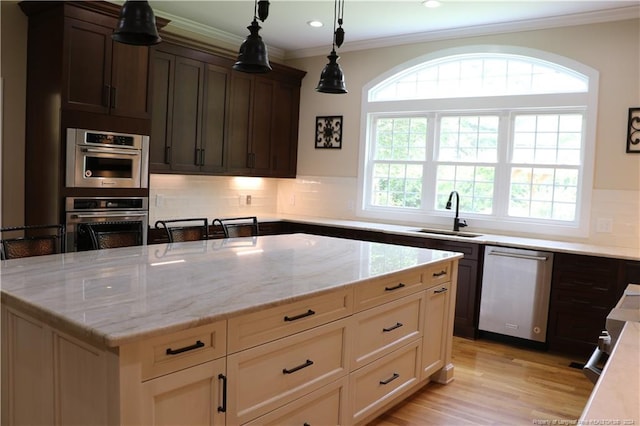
[[374, 23]]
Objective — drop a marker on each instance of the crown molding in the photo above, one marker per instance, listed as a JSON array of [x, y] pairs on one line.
[[619, 14], [182, 24]]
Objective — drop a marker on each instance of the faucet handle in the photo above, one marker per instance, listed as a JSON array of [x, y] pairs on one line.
[[462, 223]]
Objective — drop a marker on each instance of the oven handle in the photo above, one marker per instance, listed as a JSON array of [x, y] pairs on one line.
[[92, 216], [111, 151]]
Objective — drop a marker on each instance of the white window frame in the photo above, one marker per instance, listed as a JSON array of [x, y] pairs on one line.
[[427, 215]]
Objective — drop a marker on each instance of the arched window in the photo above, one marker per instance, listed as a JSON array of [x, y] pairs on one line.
[[511, 130]]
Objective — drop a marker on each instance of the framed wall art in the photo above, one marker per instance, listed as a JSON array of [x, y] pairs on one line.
[[329, 132], [633, 131]]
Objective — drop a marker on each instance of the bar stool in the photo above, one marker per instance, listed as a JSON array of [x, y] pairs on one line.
[[188, 229], [238, 226], [105, 235], [33, 240]]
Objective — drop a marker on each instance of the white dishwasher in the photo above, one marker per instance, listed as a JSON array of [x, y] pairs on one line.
[[516, 285]]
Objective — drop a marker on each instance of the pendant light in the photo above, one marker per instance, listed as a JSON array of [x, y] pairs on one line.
[[136, 24], [253, 57], [332, 78]]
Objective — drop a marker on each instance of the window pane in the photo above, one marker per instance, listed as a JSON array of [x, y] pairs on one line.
[[469, 139], [401, 139], [473, 183], [543, 193], [547, 139], [397, 185], [474, 75]]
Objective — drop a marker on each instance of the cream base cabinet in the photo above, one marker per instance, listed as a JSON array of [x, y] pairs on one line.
[[435, 342], [51, 378], [175, 379], [190, 397], [338, 358], [274, 374]]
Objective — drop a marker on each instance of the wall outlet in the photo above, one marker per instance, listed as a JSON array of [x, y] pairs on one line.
[[248, 200], [604, 224]]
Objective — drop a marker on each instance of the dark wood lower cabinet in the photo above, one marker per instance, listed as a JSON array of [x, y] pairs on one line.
[[584, 289]]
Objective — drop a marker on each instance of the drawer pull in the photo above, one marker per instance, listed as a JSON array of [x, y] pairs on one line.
[[393, 327], [442, 290], [400, 285], [297, 317], [439, 274], [300, 367], [223, 408], [196, 345], [390, 379]]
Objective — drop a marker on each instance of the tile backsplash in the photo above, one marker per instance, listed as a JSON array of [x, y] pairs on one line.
[[615, 214], [179, 196]]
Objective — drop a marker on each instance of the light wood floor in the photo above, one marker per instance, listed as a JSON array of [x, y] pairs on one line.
[[497, 384]]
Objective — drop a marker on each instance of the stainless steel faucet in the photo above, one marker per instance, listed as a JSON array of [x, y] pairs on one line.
[[457, 222]]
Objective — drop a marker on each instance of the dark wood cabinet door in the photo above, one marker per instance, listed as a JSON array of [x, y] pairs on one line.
[[102, 76], [239, 123], [87, 66], [212, 148], [187, 108], [260, 145], [161, 120], [284, 130], [129, 81]]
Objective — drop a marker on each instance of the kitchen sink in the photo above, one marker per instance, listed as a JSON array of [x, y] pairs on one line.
[[446, 232]]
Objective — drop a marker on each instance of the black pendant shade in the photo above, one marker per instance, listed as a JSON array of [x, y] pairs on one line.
[[136, 25], [332, 78], [253, 56]]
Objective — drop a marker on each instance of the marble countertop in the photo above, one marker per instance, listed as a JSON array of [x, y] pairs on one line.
[[115, 296], [484, 238]]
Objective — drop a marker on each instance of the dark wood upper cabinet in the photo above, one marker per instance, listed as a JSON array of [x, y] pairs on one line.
[[208, 119], [189, 112], [263, 134], [103, 76]]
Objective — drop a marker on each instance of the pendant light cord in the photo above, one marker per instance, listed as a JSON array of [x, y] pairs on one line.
[[335, 14]]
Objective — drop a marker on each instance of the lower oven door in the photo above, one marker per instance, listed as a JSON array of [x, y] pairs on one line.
[[73, 219]]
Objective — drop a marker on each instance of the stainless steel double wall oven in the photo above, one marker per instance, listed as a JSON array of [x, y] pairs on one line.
[[104, 168]]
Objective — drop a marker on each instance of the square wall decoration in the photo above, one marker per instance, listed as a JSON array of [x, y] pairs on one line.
[[633, 136], [329, 132]]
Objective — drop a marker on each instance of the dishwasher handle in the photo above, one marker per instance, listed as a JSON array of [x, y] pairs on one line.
[[519, 256]]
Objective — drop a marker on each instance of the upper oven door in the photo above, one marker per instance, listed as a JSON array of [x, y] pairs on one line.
[[98, 167], [106, 160]]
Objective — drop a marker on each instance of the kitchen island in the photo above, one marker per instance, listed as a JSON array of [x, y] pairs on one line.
[[233, 331]]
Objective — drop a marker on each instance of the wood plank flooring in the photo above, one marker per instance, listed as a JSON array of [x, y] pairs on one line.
[[497, 384]]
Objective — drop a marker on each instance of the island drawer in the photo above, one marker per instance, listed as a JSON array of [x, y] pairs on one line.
[[438, 274], [273, 323], [385, 289], [380, 330], [269, 376], [172, 352], [379, 382], [326, 406]]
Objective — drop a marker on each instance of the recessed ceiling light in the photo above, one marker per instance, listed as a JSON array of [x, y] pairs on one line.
[[314, 24], [431, 3]]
